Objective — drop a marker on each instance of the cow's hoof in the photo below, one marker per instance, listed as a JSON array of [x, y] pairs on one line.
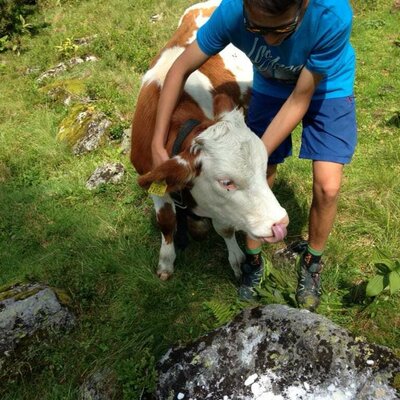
[[163, 275]]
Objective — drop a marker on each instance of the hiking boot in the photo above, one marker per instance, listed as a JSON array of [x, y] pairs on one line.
[[252, 276], [308, 291]]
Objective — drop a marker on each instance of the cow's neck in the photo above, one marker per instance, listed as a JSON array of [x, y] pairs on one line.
[[183, 133]]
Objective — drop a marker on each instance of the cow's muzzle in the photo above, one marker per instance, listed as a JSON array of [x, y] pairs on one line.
[[279, 232]]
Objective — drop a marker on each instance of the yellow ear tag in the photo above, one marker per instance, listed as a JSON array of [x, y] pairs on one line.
[[158, 188]]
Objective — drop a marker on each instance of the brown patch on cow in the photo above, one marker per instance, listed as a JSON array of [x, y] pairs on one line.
[[143, 124], [174, 173], [185, 30], [222, 80], [222, 103], [166, 221]]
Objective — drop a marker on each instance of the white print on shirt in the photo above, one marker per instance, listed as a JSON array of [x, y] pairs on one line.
[[268, 65]]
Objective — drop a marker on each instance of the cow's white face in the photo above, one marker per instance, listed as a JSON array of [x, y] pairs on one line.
[[232, 185]]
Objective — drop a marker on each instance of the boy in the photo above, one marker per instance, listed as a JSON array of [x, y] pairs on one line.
[[304, 70]]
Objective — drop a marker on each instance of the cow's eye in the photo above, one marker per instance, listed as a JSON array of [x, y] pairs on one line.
[[227, 184]]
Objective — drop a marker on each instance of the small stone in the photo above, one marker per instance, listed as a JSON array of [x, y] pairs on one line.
[[156, 17], [107, 173]]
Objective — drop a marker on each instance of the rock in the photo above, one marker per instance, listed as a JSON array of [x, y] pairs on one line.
[[107, 173], [156, 17], [66, 91], [84, 128], [99, 385], [59, 68], [126, 141], [84, 41], [395, 6], [29, 308], [275, 352]]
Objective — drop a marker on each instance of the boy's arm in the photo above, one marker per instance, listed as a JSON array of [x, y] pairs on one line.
[[292, 111], [190, 60]]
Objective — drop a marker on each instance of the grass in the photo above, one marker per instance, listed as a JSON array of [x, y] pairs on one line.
[[102, 247]]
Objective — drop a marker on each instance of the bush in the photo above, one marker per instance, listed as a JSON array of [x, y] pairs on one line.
[[12, 16]]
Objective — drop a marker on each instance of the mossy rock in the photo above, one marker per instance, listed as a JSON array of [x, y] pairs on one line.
[[84, 128], [29, 308], [66, 91]]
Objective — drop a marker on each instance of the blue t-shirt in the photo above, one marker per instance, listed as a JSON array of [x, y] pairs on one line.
[[320, 43]]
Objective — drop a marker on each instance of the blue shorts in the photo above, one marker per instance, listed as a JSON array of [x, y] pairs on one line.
[[329, 128]]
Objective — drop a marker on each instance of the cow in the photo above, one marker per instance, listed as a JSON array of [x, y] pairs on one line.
[[217, 168]]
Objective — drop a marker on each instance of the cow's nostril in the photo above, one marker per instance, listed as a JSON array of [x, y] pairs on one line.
[[283, 221]]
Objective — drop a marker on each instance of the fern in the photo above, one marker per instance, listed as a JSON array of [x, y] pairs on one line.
[[222, 312]]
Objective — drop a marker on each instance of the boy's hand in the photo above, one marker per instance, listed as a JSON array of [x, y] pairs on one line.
[[159, 155]]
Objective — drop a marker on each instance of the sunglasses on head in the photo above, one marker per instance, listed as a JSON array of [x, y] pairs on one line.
[[265, 30]]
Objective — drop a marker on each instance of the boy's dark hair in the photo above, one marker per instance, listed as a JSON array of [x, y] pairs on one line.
[[275, 7]]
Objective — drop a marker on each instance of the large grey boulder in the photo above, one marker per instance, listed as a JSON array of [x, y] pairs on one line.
[[276, 353], [29, 308]]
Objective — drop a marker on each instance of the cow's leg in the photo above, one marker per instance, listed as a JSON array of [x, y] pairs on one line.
[[235, 255], [166, 220]]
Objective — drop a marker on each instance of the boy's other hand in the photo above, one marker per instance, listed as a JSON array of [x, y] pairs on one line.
[[159, 155]]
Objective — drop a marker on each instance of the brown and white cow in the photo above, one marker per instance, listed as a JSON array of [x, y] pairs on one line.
[[220, 168]]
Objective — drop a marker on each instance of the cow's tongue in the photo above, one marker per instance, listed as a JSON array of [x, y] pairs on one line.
[[279, 231]]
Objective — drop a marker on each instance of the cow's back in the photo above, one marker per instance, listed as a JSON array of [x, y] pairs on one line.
[[229, 72]]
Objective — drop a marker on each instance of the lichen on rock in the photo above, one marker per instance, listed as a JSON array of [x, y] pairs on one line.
[[84, 128], [278, 353], [107, 173], [66, 91], [27, 309]]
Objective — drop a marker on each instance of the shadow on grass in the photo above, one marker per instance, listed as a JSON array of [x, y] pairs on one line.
[[298, 213]]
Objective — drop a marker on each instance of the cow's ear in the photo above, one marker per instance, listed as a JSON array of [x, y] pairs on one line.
[[222, 103], [176, 173]]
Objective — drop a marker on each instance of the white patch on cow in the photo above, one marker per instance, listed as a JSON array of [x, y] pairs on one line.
[[167, 251], [240, 65], [235, 255], [198, 85], [181, 161], [162, 66], [167, 257], [199, 21], [199, 6]]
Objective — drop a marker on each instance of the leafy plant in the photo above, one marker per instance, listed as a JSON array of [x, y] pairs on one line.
[[388, 277], [67, 48], [276, 288], [137, 375], [222, 312], [13, 14], [4, 41]]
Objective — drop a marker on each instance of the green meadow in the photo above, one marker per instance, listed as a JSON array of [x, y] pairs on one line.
[[101, 247]]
